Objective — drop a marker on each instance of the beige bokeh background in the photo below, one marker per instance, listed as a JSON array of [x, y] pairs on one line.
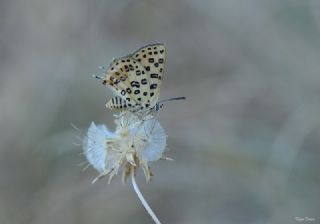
[[246, 140]]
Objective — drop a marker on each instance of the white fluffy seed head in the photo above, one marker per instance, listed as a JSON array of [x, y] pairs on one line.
[[134, 141]]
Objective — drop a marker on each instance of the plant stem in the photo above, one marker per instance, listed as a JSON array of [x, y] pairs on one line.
[[143, 201]]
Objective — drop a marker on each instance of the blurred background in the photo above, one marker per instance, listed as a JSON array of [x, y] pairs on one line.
[[245, 142]]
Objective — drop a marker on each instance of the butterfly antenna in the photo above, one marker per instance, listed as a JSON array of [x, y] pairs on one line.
[[97, 77], [172, 99], [103, 68]]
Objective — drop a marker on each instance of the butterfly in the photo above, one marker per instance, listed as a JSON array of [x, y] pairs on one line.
[[136, 79]]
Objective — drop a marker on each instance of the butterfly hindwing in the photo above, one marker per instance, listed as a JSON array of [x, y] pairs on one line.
[[152, 57]]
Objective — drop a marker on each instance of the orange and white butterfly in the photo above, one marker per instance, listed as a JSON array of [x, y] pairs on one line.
[[136, 79]]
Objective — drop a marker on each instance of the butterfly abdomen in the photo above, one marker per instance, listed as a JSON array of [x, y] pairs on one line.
[[117, 103]]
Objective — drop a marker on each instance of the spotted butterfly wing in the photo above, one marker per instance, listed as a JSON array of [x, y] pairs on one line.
[[129, 81], [136, 79], [152, 57]]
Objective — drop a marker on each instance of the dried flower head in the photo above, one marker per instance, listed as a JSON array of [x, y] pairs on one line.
[[134, 143]]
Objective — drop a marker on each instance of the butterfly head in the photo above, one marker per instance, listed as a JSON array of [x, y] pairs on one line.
[[158, 106]]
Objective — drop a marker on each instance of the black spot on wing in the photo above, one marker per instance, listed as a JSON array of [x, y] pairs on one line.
[[154, 75], [153, 86], [144, 81], [135, 84], [136, 91]]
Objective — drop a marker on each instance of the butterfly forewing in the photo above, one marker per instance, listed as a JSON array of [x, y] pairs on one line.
[[152, 57]]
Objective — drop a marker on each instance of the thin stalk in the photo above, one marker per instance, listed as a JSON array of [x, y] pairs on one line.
[[143, 201]]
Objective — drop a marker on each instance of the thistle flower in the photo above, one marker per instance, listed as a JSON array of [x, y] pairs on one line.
[[134, 143]]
